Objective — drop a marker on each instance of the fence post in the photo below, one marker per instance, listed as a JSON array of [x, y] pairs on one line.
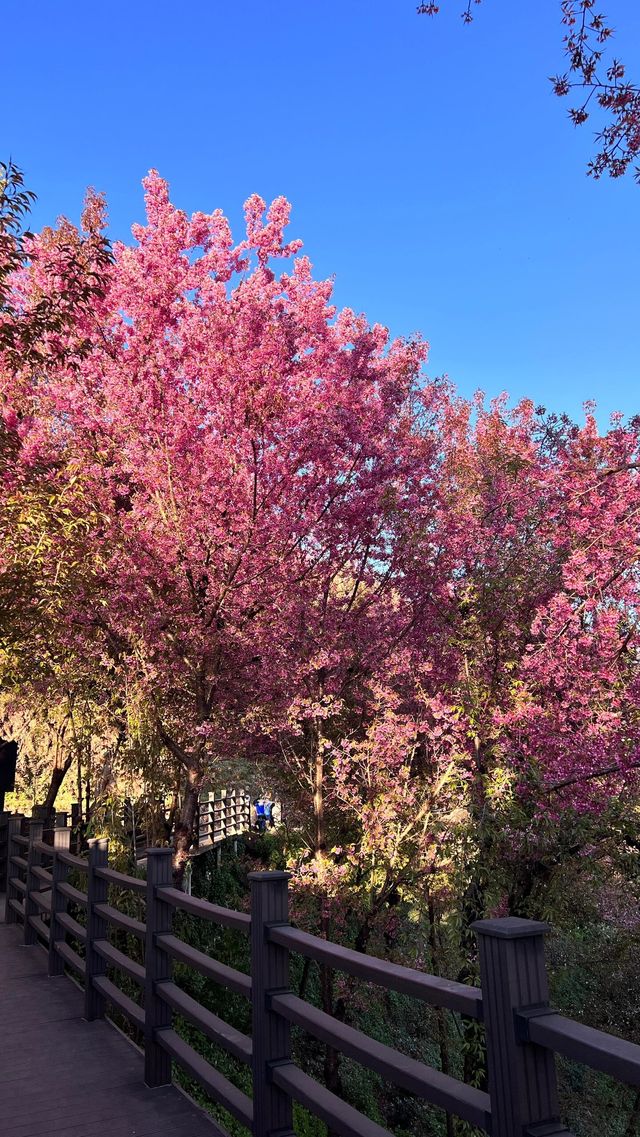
[[522, 1077], [206, 819], [271, 1034], [197, 822], [59, 873], [157, 1013], [4, 855], [14, 828], [216, 820], [76, 822], [97, 928], [34, 857], [236, 819]]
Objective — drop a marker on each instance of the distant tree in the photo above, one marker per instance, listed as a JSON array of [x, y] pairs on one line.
[[15, 204], [63, 269], [594, 80], [50, 287]]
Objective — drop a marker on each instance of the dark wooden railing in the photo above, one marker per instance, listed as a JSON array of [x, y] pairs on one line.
[[523, 1033]]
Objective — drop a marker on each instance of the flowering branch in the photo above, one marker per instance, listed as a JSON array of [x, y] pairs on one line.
[[599, 82]]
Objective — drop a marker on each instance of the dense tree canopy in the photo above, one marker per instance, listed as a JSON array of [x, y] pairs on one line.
[[248, 526]]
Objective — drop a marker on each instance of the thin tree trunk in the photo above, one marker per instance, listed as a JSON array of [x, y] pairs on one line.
[[473, 908], [185, 826], [184, 832], [80, 788], [170, 819], [443, 1042], [57, 777], [633, 1127], [304, 978], [320, 834]]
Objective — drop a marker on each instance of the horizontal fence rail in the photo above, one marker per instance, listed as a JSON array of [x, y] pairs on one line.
[[70, 906], [583, 1044], [431, 989], [407, 1073]]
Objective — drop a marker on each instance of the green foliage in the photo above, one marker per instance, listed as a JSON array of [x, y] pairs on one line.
[[15, 206], [593, 967], [391, 1018], [84, 259]]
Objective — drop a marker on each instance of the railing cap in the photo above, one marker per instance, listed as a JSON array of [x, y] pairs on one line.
[[510, 928], [159, 851], [271, 875], [101, 843]]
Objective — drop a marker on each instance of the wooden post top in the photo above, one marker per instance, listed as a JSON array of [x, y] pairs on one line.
[[264, 877], [510, 928]]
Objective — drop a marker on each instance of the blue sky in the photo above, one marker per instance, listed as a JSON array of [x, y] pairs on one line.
[[430, 168]]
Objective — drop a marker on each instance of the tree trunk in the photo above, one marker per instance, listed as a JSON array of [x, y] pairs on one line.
[[185, 826], [79, 788], [633, 1126], [184, 832], [526, 879], [443, 1041], [474, 902], [170, 819], [320, 829], [57, 777]]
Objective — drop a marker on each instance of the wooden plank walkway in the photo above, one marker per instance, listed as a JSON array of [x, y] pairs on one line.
[[64, 1077]]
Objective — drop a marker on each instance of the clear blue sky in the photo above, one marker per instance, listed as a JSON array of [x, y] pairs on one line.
[[430, 168]]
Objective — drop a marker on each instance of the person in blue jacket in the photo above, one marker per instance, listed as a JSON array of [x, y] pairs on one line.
[[261, 821]]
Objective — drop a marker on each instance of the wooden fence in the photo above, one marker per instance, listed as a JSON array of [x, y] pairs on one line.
[[523, 1033], [224, 814], [220, 815]]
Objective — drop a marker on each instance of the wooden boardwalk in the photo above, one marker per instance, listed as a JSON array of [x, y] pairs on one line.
[[64, 1077]]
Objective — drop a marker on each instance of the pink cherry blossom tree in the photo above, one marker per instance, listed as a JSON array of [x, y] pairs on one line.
[[228, 445]]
